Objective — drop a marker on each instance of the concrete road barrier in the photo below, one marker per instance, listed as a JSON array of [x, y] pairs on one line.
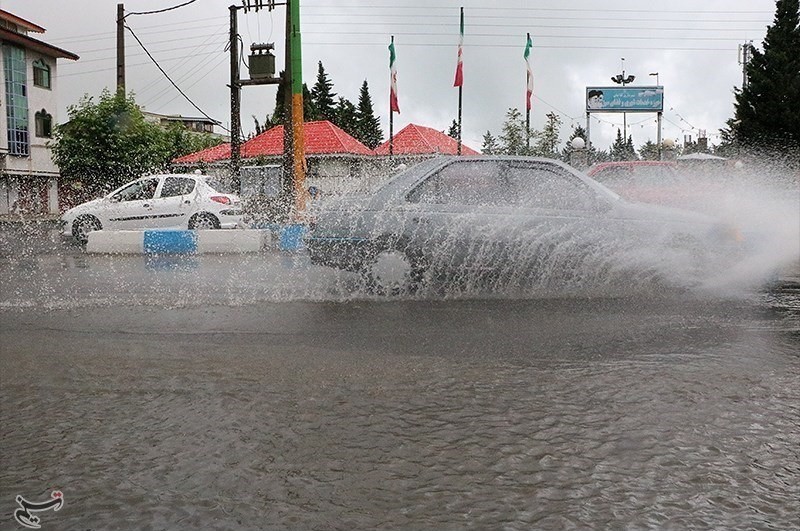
[[176, 241]]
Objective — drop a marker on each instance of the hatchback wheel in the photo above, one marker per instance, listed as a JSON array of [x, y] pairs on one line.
[[203, 221], [82, 226], [393, 272]]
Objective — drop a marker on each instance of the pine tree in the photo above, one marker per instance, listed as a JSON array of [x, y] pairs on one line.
[[453, 131], [547, 139], [490, 146], [623, 149], [346, 116], [369, 126], [280, 113], [512, 139], [767, 110], [280, 101], [323, 96], [649, 150]]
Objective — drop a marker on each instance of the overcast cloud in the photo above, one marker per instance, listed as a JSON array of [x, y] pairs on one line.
[[692, 45]]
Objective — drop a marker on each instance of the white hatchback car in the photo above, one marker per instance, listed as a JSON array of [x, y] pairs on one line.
[[171, 201]]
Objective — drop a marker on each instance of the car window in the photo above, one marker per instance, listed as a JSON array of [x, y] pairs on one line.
[[550, 187], [174, 186], [219, 186], [137, 191], [466, 183]]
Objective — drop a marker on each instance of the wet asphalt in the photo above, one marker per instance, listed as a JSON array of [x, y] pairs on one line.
[[261, 392]]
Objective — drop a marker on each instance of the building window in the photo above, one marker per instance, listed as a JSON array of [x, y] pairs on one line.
[[41, 74], [44, 124], [16, 100]]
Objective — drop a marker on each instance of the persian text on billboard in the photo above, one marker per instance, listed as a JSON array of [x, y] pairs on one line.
[[627, 99]]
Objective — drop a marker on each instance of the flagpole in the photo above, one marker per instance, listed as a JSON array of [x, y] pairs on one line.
[[528, 92], [391, 110], [461, 83], [528, 129], [459, 120]]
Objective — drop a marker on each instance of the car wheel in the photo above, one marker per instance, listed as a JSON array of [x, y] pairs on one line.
[[392, 271], [82, 226], [691, 257], [203, 221]]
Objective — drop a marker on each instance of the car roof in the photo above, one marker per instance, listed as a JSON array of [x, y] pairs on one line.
[[628, 164], [409, 178]]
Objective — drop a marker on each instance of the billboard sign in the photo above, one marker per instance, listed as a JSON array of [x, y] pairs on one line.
[[624, 99]]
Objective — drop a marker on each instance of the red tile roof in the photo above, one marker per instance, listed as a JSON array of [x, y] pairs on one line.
[[212, 154], [321, 138], [419, 140]]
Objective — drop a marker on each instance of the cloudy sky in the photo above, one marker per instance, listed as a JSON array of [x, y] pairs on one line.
[[693, 46]]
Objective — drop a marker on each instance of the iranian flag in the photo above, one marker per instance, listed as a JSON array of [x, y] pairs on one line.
[[394, 106], [460, 66], [528, 47]]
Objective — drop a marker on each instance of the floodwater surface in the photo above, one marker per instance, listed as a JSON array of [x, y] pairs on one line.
[[264, 393]]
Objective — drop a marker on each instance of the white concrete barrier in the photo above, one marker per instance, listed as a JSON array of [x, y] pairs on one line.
[[176, 241]]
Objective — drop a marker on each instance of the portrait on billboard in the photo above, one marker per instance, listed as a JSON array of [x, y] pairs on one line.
[[595, 99]]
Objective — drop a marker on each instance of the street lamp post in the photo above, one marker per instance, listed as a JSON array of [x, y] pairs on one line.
[[621, 79], [660, 153]]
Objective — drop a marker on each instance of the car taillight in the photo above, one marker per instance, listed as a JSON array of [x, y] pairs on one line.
[[221, 199]]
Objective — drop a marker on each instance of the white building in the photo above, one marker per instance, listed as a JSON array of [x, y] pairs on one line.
[[28, 92]]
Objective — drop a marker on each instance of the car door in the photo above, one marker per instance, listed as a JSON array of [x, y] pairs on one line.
[[130, 206], [563, 229], [460, 214], [174, 203]]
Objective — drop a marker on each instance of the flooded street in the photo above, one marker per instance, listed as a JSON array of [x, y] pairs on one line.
[[260, 392]]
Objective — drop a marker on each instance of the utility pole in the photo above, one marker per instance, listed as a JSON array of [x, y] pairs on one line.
[[298, 137], [121, 48], [262, 78], [236, 95]]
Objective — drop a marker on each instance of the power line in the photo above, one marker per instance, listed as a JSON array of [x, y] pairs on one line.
[[170, 79], [361, 6], [159, 11]]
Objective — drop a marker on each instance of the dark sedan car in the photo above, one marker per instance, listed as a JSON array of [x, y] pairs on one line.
[[513, 219]]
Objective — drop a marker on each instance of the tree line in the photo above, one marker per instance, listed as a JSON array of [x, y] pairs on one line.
[[321, 103]]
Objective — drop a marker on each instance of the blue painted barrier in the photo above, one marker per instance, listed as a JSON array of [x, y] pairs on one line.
[[170, 241], [291, 237]]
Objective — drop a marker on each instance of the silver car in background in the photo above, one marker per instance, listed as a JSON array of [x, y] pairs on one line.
[[509, 219], [169, 201]]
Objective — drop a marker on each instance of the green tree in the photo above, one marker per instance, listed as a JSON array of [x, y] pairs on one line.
[[547, 139], [623, 149], [346, 116], [369, 126], [767, 109], [453, 131], [279, 114], [107, 143], [266, 126], [323, 97], [649, 150], [181, 141], [512, 137], [490, 146]]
